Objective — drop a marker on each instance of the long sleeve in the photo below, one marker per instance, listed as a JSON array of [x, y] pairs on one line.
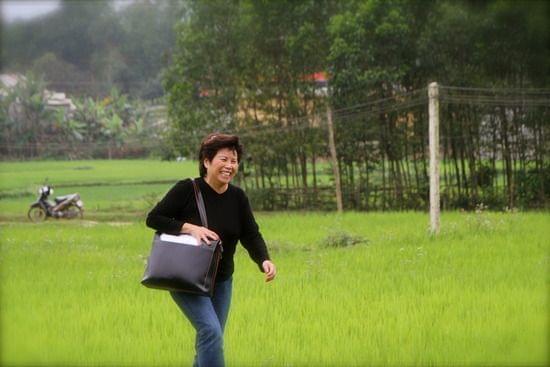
[[229, 215], [163, 216], [251, 238]]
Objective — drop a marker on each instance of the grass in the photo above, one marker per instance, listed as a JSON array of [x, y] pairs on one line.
[[110, 189], [356, 289], [474, 295], [27, 175]]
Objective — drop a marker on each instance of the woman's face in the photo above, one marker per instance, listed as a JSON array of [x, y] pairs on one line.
[[222, 168]]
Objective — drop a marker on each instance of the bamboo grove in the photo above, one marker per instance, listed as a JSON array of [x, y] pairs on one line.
[[493, 154], [274, 72]]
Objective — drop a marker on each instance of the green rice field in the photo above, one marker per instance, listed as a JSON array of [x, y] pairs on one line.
[[111, 190], [358, 289]]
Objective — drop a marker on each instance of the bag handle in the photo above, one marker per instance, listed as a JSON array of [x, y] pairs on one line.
[[200, 203]]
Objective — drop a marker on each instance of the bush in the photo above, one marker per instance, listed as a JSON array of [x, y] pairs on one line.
[[342, 239], [533, 187], [485, 175]]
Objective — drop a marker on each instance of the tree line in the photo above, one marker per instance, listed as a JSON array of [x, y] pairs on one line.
[[249, 67], [114, 126], [274, 71], [89, 47], [108, 60]]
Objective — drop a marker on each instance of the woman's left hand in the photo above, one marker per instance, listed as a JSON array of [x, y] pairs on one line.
[[269, 270]]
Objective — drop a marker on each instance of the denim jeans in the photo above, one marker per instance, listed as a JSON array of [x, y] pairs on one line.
[[208, 317]]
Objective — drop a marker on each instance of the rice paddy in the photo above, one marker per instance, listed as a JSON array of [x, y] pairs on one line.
[[477, 294]]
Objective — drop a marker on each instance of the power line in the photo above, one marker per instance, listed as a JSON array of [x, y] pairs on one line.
[[495, 102], [382, 103], [497, 90], [360, 112], [381, 100], [320, 118]]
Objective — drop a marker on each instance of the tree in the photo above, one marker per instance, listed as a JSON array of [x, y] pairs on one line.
[[127, 48], [57, 74], [147, 38], [26, 120]]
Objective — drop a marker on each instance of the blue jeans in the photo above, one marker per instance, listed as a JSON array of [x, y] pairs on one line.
[[208, 317]]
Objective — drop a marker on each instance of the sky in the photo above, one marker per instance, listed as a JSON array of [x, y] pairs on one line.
[[13, 10], [26, 9]]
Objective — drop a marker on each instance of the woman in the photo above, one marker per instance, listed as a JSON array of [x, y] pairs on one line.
[[230, 219]]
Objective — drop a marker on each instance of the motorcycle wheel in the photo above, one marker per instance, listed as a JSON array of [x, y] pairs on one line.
[[36, 214], [75, 212]]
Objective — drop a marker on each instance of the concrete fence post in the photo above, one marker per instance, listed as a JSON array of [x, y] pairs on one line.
[[433, 111], [334, 161]]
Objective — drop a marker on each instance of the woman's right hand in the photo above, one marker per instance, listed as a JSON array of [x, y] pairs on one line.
[[201, 234]]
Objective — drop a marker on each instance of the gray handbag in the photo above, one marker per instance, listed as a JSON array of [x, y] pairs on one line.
[[179, 263]]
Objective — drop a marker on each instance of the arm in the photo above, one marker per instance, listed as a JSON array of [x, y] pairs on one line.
[[202, 234], [252, 240], [163, 216]]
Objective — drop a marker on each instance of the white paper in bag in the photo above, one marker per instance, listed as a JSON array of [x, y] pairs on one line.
[[183, 239]]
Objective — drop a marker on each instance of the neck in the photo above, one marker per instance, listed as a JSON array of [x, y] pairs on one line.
[[219, 188]]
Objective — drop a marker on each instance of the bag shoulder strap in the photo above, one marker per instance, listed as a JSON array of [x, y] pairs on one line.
[[200, 203]]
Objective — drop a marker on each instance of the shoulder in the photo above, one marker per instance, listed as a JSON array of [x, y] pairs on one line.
[[239, 194], [187, 183], [182, 186], [237, 191]]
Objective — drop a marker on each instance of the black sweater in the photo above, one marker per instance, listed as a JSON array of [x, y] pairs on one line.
[[229, 215]]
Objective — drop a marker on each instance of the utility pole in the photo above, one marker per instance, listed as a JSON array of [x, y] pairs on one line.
[[433, 110], [334, 161]]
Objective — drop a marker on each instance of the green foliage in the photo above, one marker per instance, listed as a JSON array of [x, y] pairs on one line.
[[26, 119], [273, 46], [88, 47], [485, 175], [246, 67], [533, 186], [243, 67], [32, 128], [341, 238], [106, 186], [57, 73]]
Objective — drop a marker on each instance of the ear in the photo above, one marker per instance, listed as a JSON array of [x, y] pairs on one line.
[[206, 163]]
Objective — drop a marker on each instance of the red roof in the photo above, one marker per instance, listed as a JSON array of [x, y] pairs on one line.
[[319, 76]]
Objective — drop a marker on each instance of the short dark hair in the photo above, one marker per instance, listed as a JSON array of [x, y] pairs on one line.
[[212, 143]]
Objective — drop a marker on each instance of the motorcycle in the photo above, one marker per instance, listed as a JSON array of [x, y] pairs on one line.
[[67, 206]]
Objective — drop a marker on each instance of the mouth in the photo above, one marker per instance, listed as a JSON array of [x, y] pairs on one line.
[[226, 173]]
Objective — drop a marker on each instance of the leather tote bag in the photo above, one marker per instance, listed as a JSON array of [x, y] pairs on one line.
[[179, 263]]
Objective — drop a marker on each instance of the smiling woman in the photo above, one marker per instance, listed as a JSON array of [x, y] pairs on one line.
[[219, 159], [230, 219], [222, 168]]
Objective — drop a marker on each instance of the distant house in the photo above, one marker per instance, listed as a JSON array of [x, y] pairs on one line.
[[8, 81], [320, 79], [53, 100]]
